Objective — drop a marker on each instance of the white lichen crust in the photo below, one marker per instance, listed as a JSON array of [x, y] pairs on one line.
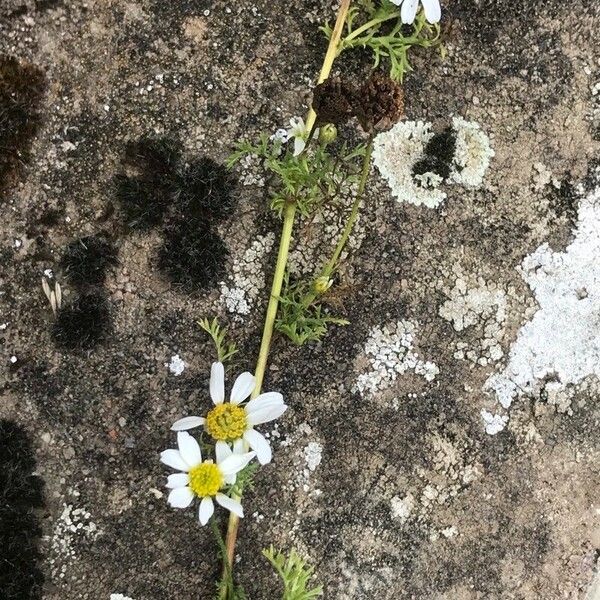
[[390, 352], [248, 278], [559, 346], [395, 153], [472, 155]]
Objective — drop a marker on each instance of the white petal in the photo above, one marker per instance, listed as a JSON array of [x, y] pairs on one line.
[[173, 459], [259, 444], [187, 423], [230, 504], [235, 463], [177, 480], [299, 145], [433, 11], [217, 383], [242, 388], [189, 449], [408, 11], [264, 415], [222, 451], [264, 400], [239, 446], [181, 497], [297, 126], [206, 510]]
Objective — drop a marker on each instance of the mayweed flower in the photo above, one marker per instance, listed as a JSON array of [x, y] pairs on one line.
[[409, 8], [299, 132], [231, 421], [203, 479]]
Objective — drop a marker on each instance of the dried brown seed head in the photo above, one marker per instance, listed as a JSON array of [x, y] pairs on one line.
[[380, 103], [333, 101]]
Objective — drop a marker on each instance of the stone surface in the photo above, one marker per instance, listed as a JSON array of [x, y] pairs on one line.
[[400, 493]]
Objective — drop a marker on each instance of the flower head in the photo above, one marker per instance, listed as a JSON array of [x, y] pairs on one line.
[[234, 421], [203, 479], [299, 131], [409, 8]]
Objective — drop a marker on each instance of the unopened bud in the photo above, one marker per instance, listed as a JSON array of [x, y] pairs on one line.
[[327, 133], [322, 284]]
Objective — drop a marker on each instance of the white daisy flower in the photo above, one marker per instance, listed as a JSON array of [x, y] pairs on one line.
[[234, 422], [409, 9], [203, 479], [299, 132]]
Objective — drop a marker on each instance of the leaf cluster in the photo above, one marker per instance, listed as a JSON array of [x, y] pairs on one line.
[[309, 180], [300, 318], [380, 29], [294, 573], [225, 349]]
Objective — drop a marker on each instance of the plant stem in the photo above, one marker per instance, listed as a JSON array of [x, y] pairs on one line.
[[282, 256], [330, 266], [328, 269], [368, 26]]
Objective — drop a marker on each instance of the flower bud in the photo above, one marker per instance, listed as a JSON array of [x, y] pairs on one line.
[[322, 284], [327, 134]]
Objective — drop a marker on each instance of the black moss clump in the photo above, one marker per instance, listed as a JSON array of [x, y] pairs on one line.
[[192, 255], [428, 164], [438, 155], [84, 323], [22, 87], [21, 493], [146, 197], [85, 260], [189, 198], [205, 191], [442, 146]]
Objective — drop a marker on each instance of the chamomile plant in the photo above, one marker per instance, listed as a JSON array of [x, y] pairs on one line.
[[312, 169]]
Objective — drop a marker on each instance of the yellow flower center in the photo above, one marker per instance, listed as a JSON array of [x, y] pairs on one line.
[[205, 479], [226, 422]]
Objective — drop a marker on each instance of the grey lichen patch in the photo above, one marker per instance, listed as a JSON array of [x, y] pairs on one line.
[[389, 352], [559, 344], [478, 309], [247, 277], [408, 157]]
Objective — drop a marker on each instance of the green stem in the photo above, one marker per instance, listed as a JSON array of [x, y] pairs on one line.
[[226, 587], [284, 246], [282, 256], [367, 26], [328, 269], [330, 266]]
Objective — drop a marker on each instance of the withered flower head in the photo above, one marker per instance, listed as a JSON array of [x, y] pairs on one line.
[[379, 103], [333, 101]]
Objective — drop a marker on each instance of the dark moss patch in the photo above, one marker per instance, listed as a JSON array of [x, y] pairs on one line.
[[438, 155], [84, 323], [206, 190], [21, 493], [86, 260], [163, 183], [22, 86], [564, 201], [193, 254], [190, 197], [145, 197]]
